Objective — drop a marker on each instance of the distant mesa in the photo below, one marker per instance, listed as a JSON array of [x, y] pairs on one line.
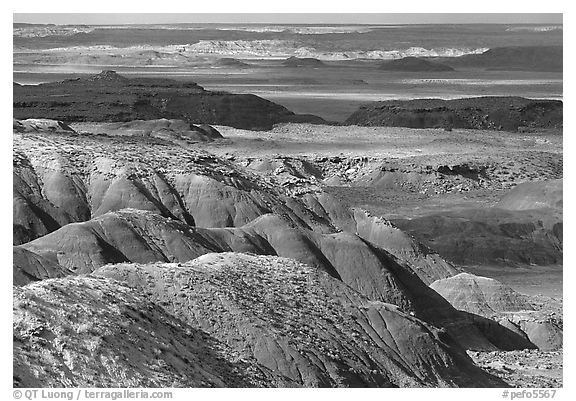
[[502, 113], [303, 62], [110, 97], [231, 63], [517, 58], [414, 64]]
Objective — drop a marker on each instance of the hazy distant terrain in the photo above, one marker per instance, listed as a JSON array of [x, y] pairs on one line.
[[348, 76]]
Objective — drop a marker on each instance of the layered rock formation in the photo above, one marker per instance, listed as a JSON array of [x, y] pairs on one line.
[[41, 125]]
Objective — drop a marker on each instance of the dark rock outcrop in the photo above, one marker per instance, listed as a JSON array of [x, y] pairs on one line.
[[110, 97], [498, 113], [41, 125], [303, 62], [230, 63]]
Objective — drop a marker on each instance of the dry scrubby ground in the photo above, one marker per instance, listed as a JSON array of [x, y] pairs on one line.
[[348, 155], [526, 368]]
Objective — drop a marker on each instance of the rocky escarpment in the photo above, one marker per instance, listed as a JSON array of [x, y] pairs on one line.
[[41, 125], [110, 97], [497, 113], [414, 64], [224, 320]]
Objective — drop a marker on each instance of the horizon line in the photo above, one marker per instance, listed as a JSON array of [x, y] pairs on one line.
[[383, 19]]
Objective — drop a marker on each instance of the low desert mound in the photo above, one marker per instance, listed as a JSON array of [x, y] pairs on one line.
[[110, 97], [177, 131], [414, 64], [41, 125], [498, 113], [230, 63], [303, 62], [225, 320]]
